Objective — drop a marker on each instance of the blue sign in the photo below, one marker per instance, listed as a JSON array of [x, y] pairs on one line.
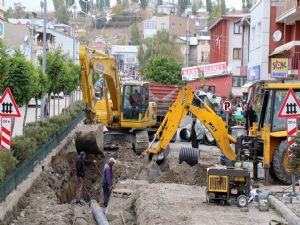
[[253, 73], [1, 30]]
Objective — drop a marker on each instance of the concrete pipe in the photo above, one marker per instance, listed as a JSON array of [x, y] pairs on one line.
[[185, 134], [98, 213], [189, 155]]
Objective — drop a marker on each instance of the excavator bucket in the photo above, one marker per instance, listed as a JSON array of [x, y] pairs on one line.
[[89, 138]]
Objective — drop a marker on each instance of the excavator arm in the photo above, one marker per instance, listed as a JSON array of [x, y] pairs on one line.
[[92, 60], [188, 102]]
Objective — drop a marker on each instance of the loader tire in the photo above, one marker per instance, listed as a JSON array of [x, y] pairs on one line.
[[272, 173], [280, 163]]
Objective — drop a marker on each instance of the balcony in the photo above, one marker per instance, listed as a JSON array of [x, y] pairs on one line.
[[288, 12]]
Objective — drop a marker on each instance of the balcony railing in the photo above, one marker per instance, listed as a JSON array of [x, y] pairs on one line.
[[286, 5], [295, 59]]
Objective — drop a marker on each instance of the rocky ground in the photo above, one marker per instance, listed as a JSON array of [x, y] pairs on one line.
[[173, 194]]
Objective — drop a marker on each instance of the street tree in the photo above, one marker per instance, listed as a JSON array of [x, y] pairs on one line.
[[62, 13], [182, 4], [144, 4], [17, 11], [209, 6], [100, 4], [85, 5], [196, 5], [162, 43], [20, 80], [164, 70], [135, 34], [4, 66], [223, 7], [42, 87]]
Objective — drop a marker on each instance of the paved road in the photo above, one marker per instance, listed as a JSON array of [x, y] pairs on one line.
[[31, 113]]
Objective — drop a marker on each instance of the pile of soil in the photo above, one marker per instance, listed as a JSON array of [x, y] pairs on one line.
[[184, 174]]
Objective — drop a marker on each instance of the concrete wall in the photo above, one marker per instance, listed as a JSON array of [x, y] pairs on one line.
[[259, 37]]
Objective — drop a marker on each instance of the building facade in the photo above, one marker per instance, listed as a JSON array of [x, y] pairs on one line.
[[149, 27], [226, 46], [259, 41], [284, 35], [2, 9], [126, 55]]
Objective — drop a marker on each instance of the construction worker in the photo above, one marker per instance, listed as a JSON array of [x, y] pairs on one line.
[[107, 179], [193, 134], [80, 172]]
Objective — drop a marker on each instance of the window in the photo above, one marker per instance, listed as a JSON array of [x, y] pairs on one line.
[[237, 29], [163, 26], [237, 53], [238, 81]]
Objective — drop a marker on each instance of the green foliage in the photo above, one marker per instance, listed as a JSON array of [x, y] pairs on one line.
[[40, 134], [2, 174], [163, 43], [144, 3], [24, 147], [62, 13], [246, 5], [218, 9], [85, 7], [100, 4], [223, 7], [20, 78], [43, 84], [183, 5], [163, 70], [71, 78], [209, 7], [135, 34], [18, 11], [7, 161], [4, 66]]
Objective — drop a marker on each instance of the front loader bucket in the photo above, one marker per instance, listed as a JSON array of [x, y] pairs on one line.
[[89, 138]]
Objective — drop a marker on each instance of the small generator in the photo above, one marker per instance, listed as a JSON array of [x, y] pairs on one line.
[[228, 185]]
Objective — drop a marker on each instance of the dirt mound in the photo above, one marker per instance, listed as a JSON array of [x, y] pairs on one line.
[[183, 174]]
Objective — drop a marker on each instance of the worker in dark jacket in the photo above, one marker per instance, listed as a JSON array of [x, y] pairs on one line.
[[80, 172], [107, 180], [193, 134]]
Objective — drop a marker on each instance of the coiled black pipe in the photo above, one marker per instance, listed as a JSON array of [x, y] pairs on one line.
[[185, 134], [189, 155]]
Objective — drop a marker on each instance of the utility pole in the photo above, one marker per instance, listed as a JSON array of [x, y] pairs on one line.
[[187, 42], [74, 33], [43, 104]]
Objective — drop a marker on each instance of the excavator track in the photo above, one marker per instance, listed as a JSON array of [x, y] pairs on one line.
[[141, 141]]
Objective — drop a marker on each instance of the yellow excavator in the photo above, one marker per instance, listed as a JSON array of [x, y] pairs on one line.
[[266, 142], [124, 110]]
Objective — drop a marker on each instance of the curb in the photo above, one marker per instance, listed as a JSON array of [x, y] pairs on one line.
[[291, 217]]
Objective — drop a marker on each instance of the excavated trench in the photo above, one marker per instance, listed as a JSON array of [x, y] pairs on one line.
[[53, 191]]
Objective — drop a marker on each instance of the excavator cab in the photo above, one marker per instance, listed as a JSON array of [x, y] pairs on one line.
[[135, 101]]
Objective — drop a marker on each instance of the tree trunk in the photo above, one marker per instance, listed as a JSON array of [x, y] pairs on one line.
[[58, 105], [54, 107], [65, 104], [25, 114], [36, 109]]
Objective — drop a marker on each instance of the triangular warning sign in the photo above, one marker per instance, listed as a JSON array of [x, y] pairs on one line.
[[290, 106], [8, 106]]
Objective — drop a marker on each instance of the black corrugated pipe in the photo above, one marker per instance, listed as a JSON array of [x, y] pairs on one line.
[[189, 155]]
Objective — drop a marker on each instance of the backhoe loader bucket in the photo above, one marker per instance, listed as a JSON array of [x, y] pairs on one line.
[[89, 138]]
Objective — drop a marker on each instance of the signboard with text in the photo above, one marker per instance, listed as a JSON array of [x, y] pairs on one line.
[[210, 70], [279, 67], [253, 73]]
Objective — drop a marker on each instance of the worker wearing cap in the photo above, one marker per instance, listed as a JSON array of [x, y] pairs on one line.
[[80, 172], [107, 179]]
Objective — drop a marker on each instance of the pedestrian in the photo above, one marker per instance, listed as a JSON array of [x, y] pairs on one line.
[[107, 179], [80, 172], [194, 135]]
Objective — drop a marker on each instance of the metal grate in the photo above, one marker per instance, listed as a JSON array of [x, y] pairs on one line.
[[218, 183]]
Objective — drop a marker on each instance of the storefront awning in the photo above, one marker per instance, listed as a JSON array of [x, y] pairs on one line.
[[285, 47]]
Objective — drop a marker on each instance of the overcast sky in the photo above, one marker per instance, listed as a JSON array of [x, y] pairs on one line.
[[34, 5]]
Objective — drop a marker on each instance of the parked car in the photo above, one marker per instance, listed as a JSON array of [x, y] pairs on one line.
[[32, 103], [61, 95]]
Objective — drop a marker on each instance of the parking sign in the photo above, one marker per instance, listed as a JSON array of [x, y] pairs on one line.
[[1, 30]]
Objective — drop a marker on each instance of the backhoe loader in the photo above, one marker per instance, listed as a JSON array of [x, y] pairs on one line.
[[266, 142], [124, 110]]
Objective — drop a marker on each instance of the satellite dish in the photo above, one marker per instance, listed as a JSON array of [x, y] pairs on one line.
[[26, 38]]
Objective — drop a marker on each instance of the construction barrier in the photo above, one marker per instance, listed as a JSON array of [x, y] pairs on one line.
[[21, 172]]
